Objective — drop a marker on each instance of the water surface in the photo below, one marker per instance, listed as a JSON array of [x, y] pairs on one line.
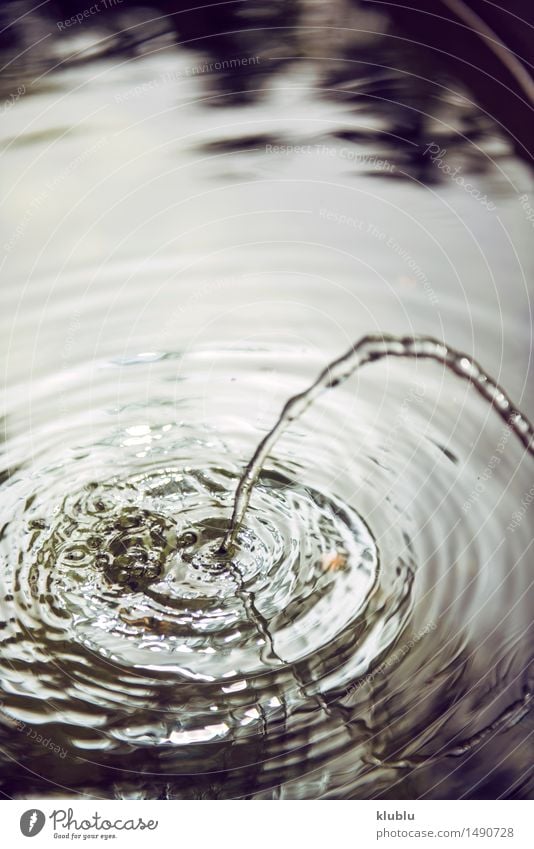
[[172, 273]]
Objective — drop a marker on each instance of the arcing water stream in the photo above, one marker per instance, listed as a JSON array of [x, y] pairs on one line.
[[317, 656], [368, 350]]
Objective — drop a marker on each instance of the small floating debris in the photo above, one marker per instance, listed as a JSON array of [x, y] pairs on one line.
[[333, 561]]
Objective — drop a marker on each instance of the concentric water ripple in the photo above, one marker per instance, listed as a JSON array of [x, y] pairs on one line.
[[340, 648]]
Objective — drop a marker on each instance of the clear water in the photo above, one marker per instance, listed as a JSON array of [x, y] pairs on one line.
[[176, 283], [371, 349]]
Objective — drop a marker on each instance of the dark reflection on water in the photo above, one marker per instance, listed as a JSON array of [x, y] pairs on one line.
[[201, 208], [409, 67]]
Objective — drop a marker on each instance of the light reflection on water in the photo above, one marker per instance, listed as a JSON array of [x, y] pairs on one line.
[[172, 273]]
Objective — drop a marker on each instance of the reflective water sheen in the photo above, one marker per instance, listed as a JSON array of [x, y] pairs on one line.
[[371, 349], [169, 282], [356, 570]]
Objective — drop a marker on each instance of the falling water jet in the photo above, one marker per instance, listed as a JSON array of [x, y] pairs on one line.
[[371, 349]]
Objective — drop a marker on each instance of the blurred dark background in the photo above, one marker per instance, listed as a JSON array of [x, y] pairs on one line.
[[394, 59]]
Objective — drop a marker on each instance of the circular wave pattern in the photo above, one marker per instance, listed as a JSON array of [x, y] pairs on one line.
[[341, 649], [137, 560]]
